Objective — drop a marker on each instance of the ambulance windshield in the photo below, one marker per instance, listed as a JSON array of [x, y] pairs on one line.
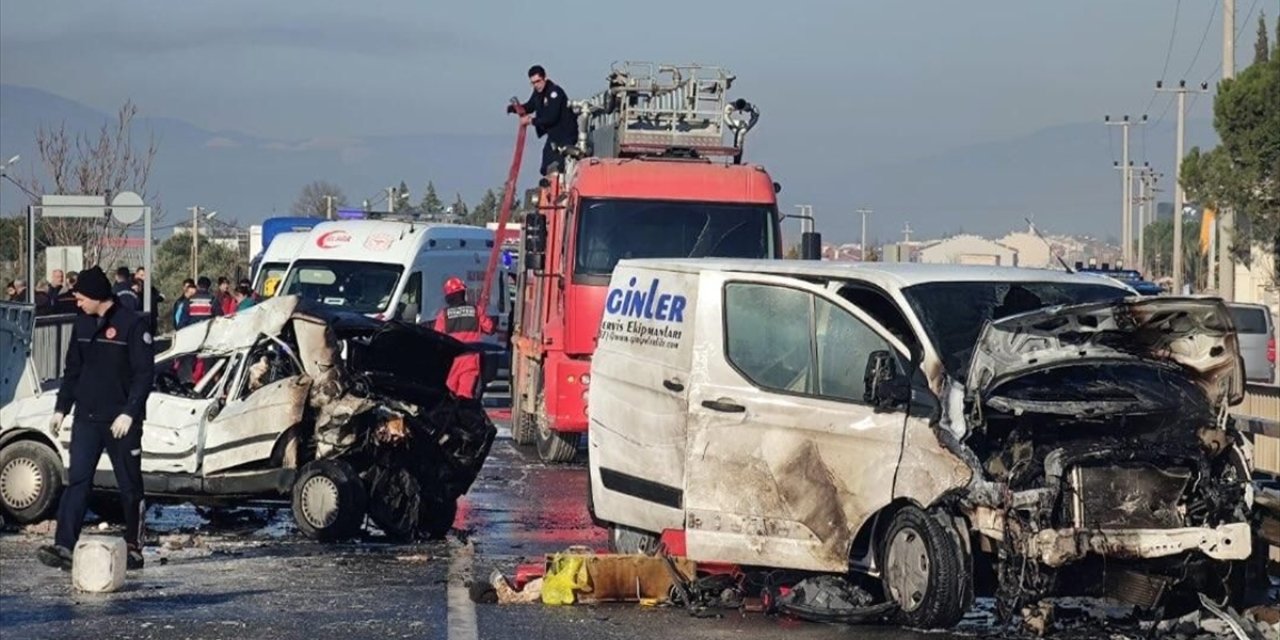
[[613, 230], [362, 287]]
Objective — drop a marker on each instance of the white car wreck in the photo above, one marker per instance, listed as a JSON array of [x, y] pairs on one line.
[[344, 415], [945, 430]]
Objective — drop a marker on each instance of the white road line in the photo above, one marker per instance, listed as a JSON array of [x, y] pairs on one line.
[[461, 611]]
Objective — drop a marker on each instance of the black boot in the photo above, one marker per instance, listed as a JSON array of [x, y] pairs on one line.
[[55, 556]]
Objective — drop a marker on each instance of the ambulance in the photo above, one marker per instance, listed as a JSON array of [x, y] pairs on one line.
[[275, 262], [393, 269]]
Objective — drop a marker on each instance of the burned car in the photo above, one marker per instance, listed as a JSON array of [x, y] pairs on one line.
[[343, 415], [942, 430]]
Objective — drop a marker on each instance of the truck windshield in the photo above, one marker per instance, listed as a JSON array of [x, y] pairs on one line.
[[954, 312], [613, 230], [362, 287], [267, 272]]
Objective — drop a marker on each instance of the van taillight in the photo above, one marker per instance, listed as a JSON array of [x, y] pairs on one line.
[[1271, 350]]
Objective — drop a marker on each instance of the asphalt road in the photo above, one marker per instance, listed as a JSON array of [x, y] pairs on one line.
[[248, 575]]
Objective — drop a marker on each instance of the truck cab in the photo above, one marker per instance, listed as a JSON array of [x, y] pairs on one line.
[[652, 176]]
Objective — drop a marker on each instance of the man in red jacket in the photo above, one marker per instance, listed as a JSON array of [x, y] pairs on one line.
[[464, 322]]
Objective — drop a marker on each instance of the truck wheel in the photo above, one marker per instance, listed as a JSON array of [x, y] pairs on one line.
[[624, 539], [30, 481], [924, 570], [557, 446], [328, 501], [523, 428]]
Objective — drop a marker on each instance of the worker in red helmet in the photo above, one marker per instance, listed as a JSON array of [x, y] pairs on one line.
[[464, 322]]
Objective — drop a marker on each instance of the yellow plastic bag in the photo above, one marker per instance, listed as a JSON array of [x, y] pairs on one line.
[[568, 574]]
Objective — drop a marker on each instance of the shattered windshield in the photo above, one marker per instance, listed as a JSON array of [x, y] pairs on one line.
[[954, 312], [612, 230], [361, 287]]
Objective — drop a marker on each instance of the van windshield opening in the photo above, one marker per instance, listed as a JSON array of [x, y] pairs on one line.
[[362, 287], [267, 272], [612, 230], [953, 313]]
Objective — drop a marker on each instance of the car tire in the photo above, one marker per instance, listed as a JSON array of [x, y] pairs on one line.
[[925, 570], [329, 502], [435, 520], [557, 446], [624, 539], [30, 481]]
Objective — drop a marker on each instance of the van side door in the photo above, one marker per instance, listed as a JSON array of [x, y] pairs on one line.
[[787, 455]]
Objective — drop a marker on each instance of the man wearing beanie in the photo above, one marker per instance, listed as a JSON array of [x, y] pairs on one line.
[[109, 374]]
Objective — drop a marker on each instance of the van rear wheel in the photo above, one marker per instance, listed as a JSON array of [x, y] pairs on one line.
[[557, 446]]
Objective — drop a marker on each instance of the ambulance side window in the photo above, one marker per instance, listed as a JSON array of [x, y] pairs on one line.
[[768, 336], [411, 300]]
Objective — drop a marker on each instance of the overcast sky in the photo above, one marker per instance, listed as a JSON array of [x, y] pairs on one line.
[[914, 75]]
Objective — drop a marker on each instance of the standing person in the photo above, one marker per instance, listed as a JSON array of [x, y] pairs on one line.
[[124, 289], [57, 280], [464, 322], [108, 377], [549, 112], [244, 298], [226, 299], [202, 305], [184, 300]]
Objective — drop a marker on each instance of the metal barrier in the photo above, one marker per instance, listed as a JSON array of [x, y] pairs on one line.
[[49, 344], [1259, 416]]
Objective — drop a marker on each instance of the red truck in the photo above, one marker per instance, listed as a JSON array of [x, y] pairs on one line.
[[657, 172]]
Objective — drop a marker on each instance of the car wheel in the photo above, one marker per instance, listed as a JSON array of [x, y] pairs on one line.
[[436, 518], [624, 539], [924, 570], [328, 501], [30, 481], [557, 446]]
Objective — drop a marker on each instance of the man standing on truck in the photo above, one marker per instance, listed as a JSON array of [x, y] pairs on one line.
[[463, 322], [108, 376], [549, 112]]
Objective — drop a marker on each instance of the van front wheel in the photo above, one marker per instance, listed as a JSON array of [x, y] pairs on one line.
[[556, 446], [925, 570]]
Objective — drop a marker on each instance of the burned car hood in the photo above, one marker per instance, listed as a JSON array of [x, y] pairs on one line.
[[1189, 338]]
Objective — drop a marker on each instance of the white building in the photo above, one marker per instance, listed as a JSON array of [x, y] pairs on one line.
[[969, 249]]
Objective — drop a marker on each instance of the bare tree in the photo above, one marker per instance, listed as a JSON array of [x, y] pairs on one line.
[[313, 202], [78, 164]]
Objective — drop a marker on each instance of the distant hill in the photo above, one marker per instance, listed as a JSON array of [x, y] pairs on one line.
[[249, 178], [1061, 174]]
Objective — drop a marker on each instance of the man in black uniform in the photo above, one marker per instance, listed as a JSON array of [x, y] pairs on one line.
[[549, 112], [108, 376]]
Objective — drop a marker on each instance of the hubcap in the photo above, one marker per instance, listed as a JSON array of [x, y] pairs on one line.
[[21, 483], [320, 501], [908, 569]]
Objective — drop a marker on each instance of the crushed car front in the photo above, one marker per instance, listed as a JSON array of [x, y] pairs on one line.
[[1096, 423]]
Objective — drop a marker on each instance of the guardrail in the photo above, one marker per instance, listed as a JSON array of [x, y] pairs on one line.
[[49, 344], [1259, 416]]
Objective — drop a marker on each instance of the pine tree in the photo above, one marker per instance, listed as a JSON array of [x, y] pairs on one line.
[[460, 209], [431, 204], [487, 209], [402, 202], [1261, 48]]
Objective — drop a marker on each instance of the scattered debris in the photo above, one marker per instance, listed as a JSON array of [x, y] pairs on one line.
[[829, 598]]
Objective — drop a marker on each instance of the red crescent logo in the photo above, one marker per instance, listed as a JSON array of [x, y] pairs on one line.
[[332, 239]]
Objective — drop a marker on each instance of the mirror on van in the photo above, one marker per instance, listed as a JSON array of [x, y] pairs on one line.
[[886, 387]]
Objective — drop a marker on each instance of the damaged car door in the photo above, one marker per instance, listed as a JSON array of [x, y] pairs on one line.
[[266, 398], [797, 431]]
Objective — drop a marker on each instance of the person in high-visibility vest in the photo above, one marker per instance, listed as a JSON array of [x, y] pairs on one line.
[[464, 322]]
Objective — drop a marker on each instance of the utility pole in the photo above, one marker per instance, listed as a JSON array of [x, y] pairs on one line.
[[1179, 196], [195, 238], [1126, 190], [863, 247], [906, 233], [1146, 178], [1226, 217], [328, 207]]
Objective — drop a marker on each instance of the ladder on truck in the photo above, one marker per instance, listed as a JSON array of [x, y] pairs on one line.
[[652, 109]]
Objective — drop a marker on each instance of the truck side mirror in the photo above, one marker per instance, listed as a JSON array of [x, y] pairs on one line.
[[535, 241], [885, 386], [810, 245]]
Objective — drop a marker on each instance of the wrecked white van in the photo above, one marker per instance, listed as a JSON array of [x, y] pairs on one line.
[[344, 415], [872, 417]]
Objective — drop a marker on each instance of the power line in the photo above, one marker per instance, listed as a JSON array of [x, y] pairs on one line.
[[1217, 69], [1213, 11], [1167, 54]]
